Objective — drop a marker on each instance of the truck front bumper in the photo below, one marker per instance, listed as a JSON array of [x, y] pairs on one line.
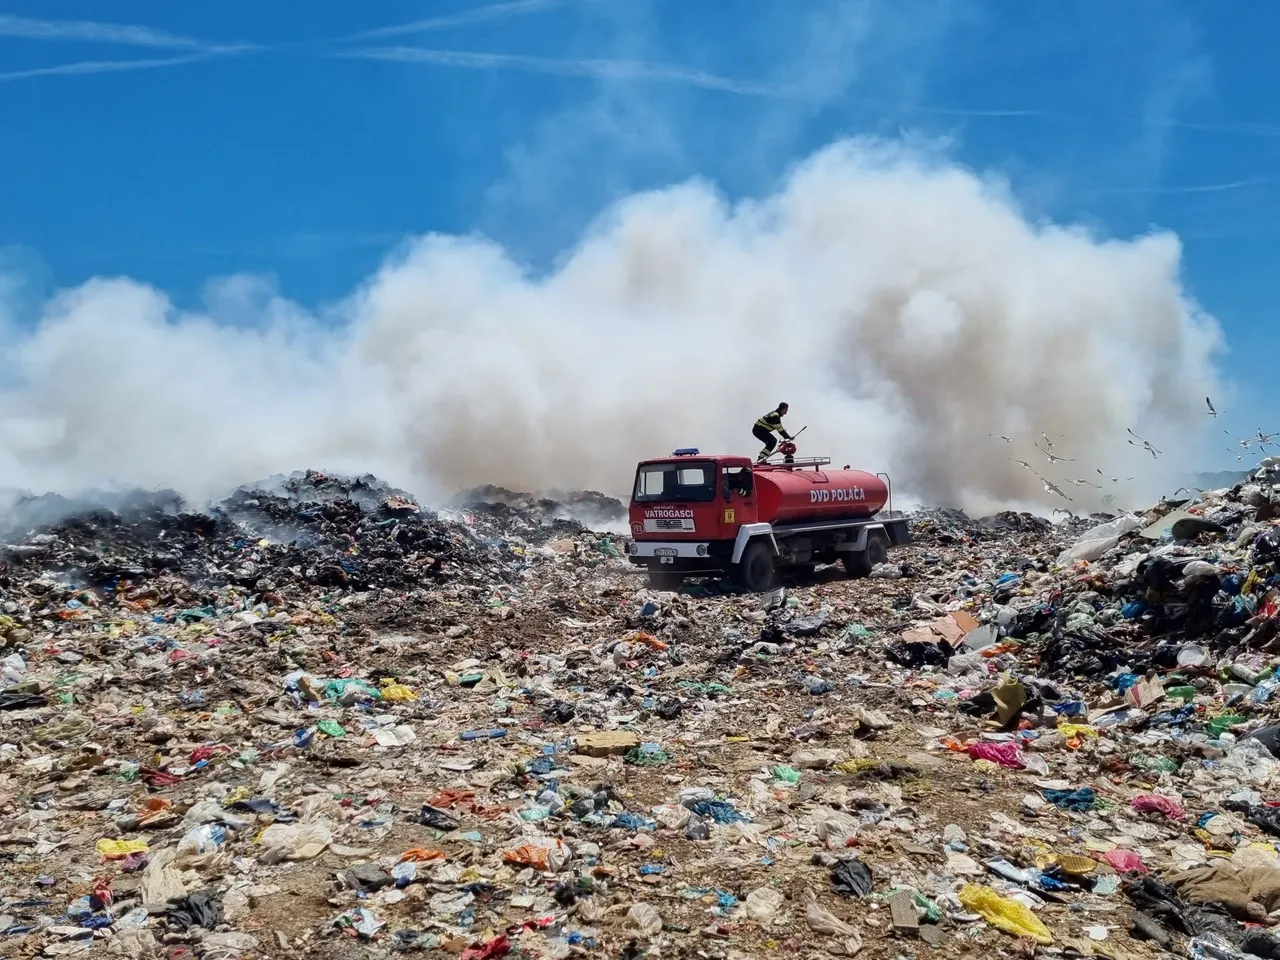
[[679, 549]]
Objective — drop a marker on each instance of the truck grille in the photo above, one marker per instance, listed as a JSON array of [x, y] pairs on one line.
[[681, 525]]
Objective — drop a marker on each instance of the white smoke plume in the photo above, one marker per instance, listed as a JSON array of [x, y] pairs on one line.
[[903, 306]]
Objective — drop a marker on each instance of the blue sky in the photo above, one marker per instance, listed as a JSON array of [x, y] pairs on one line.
[[179, 142]]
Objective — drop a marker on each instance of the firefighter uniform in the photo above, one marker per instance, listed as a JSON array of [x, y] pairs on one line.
[[764, 430]]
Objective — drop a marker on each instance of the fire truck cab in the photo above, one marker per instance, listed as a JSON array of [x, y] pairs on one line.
[[694, 515]]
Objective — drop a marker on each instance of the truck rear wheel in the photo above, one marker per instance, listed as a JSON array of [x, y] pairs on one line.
[[665, 580], [861, 563], [756, 570]]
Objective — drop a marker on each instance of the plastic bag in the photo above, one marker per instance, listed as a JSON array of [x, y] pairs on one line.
[[1154, 803], [545, 856], [826, 923], [1096, 541], [644, 919], [294, 841], [1125, 861], [851, 878], [837, 830], [119, 849], [763, 904], [1005, 754], [1004, 914]]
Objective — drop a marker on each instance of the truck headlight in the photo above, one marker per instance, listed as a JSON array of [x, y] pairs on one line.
[[701, 550], [634, 549]]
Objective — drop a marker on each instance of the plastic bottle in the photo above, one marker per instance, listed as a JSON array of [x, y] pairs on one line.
[[1242, 673], [202, 839]]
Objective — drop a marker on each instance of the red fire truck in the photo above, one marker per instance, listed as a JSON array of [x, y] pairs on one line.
[[694, 516]]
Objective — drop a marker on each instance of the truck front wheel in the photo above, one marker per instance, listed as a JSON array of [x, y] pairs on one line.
[[756, 569], [861, 563]]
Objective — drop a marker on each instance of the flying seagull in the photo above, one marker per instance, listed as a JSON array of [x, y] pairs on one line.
[[1212, 412], [1083, 483], [1050, 487], [1049, 443], [1024, 465], [1262, 439], [1112, 479], [1145, 444], [1239, 457], [997, 436], [1052, 458]]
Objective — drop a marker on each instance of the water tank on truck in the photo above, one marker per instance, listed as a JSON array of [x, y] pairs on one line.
[[788, 495]]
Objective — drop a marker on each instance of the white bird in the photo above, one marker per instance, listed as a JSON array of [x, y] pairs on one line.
[[1145, 444], [1084, 483], [1246, 441], [1053, 458], [1049, 443], [1112, 479], [1050, 487], [997, 436], [1263, 439], [1239, 456], [1212, 412], [1023, 464]]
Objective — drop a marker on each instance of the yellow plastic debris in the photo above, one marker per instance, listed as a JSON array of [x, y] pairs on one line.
[[397, 691], [119, 849], [1071, 863], [1078, 730], [1004, 914]]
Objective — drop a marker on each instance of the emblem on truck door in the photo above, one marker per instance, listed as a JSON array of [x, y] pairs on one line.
[[729, 515]]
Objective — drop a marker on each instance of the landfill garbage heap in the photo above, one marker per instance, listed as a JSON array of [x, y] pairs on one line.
[[318, 719]]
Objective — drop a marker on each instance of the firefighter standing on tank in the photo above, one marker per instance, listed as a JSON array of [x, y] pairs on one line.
[[765, 428]]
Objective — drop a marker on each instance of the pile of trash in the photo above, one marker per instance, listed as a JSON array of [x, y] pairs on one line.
[[319, 719]]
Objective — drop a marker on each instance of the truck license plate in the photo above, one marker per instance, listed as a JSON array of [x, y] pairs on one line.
[[665, 554]]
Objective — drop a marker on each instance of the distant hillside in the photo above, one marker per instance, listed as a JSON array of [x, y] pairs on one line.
[[1215, 481]]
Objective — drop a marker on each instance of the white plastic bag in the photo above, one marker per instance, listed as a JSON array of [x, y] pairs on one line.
[[1096, 541], [295, 841]]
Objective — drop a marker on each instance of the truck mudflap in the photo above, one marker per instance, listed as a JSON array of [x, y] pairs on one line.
[[897, 531]]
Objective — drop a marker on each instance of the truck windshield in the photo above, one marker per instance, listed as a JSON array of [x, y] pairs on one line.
[[674, 482]]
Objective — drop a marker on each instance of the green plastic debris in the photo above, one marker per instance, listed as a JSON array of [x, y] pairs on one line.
[[606, 547], [1225, 722], [706, 689], [336, 689], [859, 631], [647, 755], [195, 613], [786, 774], [1181, 693], [331, 728], [1153, 764]]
